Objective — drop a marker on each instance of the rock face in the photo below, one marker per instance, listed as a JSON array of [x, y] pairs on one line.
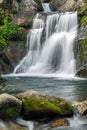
[[67, 5], [10, 56], [59, 123], [10, 107], [81, 53], [38, 106], [12, 4], [81, 107]]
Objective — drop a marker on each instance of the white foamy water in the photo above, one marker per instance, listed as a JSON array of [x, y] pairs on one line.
[[46, 7], [28, 124], [55, 55]]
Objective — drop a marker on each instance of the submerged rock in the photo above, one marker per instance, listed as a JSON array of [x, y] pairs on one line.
[[10, 107], [59, 123], [38, 106]]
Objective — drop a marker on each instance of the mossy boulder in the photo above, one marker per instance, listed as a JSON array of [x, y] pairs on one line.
[[38, 106], [10, 107]]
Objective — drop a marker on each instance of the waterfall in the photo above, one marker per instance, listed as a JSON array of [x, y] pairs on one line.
[[55, 54], [46, 7]]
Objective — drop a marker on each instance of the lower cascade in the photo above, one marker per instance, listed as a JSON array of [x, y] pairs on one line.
[[50, 45]]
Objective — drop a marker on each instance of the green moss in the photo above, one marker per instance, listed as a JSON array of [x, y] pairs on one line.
[[10, 112], [41, 106]]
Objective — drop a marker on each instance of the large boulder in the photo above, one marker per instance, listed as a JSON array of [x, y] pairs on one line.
[[10, 107], [11, 55], [39, 106]]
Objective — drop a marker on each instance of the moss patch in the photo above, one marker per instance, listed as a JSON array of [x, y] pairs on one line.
[[42, 108], [10, 112]]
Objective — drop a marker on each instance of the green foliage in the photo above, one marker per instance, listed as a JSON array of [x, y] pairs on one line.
[[8, 32], [83, 11], [84, 21], [85, 47], [83, 54]]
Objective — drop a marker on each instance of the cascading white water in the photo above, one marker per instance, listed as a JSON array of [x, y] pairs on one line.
[[56, 54], [46, 7]]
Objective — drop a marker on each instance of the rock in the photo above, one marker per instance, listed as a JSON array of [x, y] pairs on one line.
[[67, 5], [24, 17], [10, 56], [59, 123], [39, 106], [12, 5], [5, 65], [82, 73], [10, 107], [64, 5], [58, 3], [80, 52], [80, 106]]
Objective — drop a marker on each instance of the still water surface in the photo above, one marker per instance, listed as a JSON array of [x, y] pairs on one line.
[[71, 89]]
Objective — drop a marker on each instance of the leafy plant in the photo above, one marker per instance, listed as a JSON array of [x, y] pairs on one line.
[[9, 31], [84, 21], [83, 11]]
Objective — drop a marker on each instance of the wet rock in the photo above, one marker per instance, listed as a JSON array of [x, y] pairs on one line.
[[59, 123], [10, 107], [82, 73], [80, 107], [14, 126], [39, 106]]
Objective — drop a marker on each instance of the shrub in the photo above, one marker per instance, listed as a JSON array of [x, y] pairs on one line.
[[9, 31]]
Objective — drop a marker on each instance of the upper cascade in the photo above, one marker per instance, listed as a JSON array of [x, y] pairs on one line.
[[46, 7], [55, 53]]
